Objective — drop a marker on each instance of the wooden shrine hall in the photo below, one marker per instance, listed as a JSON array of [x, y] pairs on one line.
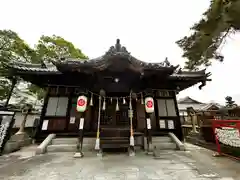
[[114, 97]]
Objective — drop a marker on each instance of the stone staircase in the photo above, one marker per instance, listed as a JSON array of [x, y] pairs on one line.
[[70, 144], [114, 138], [163, 143]]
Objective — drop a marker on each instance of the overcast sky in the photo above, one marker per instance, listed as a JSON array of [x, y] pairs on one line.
[[148, 28]]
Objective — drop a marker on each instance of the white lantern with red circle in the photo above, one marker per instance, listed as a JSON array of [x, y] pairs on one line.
[[149, 104], [81, 103]]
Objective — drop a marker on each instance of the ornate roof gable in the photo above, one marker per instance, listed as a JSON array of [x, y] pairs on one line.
[[117, 49], [117, 56]]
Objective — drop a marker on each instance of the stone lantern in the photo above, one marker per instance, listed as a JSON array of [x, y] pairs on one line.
[[21, 137]]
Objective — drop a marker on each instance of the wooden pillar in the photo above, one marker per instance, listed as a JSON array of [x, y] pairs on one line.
[[14, 82], [82, 103], [178, 126], [149, 134], [194, 120], [130, 114], [79, 152], [42, 116], [149, 106], [69, 106], [98, 144]]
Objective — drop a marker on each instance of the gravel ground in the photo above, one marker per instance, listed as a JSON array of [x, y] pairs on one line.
[[194, 164]]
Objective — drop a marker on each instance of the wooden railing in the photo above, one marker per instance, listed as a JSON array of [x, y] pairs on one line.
[[187, 129]]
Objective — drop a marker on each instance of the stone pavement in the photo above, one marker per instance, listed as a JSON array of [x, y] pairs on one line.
[[194, 164]]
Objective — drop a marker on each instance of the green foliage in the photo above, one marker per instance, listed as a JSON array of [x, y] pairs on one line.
[[12, 47], [201, 47], [229, 102], [55, 47], [4, 88], [37, 91]]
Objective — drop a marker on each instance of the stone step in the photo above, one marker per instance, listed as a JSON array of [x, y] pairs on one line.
[[58, 141], [70, 144], [62, 148], [89, 141], [114, 142], [114, 146], [161, 139], [165, 145]]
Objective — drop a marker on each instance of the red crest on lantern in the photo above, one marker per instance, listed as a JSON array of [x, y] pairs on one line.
[[149, 105], [81, 103]]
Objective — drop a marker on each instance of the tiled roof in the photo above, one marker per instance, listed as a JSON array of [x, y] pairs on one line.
[[117, 52], [45, 67], [188, 100], [198, 107], [179, 74], [118, 59], [183, 107]]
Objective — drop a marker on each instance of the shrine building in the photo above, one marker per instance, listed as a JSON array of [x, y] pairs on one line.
[[112, 97]]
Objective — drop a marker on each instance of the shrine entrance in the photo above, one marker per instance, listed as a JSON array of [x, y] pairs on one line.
[[114, 125], [112, 118]]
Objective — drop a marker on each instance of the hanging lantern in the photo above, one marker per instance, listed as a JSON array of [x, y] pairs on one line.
[[149, 105], [104, 104], [81, 103], [117, 106], [91, 100], [124, 101], [142, 99]]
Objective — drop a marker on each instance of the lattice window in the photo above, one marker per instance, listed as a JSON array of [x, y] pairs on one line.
[[166, 107], [57, 106], [122, 116]]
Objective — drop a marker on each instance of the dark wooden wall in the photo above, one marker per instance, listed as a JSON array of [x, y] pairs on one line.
[[62, 124]]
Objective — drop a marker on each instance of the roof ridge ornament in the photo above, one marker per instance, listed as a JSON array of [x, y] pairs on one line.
[[117, 49], [166, 63]]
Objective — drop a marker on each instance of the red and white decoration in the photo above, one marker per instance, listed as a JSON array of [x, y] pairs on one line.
[[81, 103], [149, 104]]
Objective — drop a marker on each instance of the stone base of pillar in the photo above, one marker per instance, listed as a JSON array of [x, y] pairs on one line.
[[22, 138], [17, 141], [216, 154], [150, 149], [100, 153], [131, 151], [78, 155]]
